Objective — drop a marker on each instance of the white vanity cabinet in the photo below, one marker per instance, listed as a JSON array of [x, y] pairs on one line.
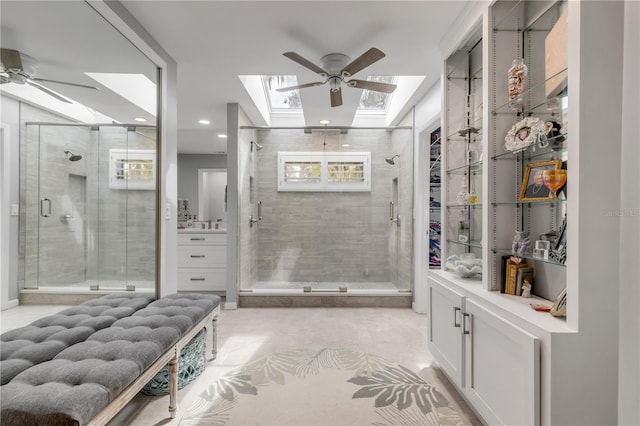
[[494, 363], [202, 261]]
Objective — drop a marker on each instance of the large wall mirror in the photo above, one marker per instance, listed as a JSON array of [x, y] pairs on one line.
[[83, 102], [212, 195]]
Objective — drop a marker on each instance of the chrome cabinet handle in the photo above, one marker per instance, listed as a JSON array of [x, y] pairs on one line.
[[259, 210], [197, 279], [465, 329], [197, 255], [455, 316], [197, 239]]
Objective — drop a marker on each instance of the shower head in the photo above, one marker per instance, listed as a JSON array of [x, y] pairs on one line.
[[72, 156], [257, 145], [390, 160]]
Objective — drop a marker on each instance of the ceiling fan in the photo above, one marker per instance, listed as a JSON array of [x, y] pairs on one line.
[[16, 67], [335, 68]]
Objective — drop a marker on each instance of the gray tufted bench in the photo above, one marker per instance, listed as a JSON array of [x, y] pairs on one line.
[[90, 381]]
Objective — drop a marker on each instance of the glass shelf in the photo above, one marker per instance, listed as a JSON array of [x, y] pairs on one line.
[[475, 168], [471, 132], [508, 252], [509, 155], [530, 203], [506, 109], [463, 206], [475, 244]]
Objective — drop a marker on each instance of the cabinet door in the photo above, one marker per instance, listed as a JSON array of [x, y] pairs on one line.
[[502, 368], [444, 334]]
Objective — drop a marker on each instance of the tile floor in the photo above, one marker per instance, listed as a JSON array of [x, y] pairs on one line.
[[397, 334]]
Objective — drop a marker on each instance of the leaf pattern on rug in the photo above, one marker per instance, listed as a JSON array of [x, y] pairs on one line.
[[398, 385], [359, 362], [274, 367], [235, 382], [413, 416], [401, 396], [203, 413]]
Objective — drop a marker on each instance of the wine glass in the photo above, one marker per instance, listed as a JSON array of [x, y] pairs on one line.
[[554, 179]]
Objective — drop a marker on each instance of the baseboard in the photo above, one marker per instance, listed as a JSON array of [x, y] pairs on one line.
[[11, 304], [44, 298], [308, 301]]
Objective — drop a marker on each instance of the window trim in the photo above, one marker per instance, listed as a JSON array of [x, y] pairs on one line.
[[324, 158]]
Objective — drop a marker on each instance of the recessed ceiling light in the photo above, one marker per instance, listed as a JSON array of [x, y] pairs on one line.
[[222, 135], [325, 122], [204, 122], [345, 145], [140, 119]]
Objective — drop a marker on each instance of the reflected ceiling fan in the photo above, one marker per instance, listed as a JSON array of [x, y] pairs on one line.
[[16, 67], [335, 68]]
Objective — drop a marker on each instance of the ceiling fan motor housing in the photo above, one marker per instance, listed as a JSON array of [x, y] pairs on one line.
[[334, 63]]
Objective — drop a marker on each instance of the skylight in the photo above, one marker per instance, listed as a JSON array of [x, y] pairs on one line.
[[136, 88], [282, 101], [371, 101]]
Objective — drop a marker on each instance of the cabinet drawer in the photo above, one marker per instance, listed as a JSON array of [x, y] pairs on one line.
[[202, 279], [202, 256], [196, 239]]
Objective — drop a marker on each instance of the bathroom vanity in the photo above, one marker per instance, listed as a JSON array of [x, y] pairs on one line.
[[202, 260]]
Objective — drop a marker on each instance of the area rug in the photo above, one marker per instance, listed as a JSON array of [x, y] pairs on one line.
[[319, 387]]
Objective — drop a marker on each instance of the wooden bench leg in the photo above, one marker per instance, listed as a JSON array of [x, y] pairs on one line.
[[214, 329], [173, 385]]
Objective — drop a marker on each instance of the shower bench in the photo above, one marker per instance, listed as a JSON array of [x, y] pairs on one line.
[[84, 364]]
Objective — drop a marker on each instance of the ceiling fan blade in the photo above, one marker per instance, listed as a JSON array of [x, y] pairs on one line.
[[10, 59], [336, 97], [48, 92], [305, 63], [372, 85], [367, 58], [44, 80], [300, 86]]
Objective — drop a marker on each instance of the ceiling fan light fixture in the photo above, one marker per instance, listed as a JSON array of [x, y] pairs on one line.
[[334, 84]]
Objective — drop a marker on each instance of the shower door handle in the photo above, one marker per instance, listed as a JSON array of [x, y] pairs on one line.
[[42, 202]]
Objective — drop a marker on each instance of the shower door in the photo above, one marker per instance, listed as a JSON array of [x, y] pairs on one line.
[[56, 228], [81, 229]]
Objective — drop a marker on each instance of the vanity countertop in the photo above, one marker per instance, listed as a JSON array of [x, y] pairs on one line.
[[202, 231]]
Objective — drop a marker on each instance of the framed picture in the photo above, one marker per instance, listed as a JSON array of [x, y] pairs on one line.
[[533, 188]]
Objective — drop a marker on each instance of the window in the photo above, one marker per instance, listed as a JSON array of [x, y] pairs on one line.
[[132, 169], [324, 172]]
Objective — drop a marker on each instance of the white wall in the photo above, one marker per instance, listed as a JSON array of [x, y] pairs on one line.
[[629, 327], [425, 117], [10, 175]]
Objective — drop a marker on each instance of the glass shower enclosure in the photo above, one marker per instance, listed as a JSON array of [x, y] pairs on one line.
[[331, 210], [89, 207]]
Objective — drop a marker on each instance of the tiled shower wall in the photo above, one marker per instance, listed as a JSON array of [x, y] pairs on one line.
[[333, 236], [110, 236]]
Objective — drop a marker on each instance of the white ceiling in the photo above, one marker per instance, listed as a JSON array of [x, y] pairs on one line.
[[215, 41]]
